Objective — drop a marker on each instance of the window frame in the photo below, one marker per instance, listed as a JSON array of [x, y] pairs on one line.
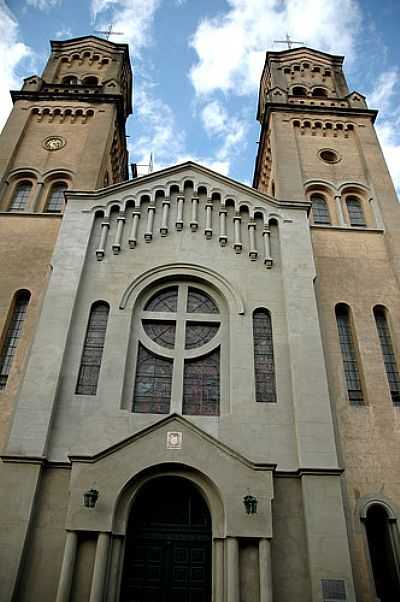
[[55, 184], [179, 354], [86, 346], [354, 351], [355, 197], [320, 197], [13, 329], [19, 183], [267, 313]]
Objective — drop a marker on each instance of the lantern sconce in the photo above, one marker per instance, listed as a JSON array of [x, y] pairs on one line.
[[90, 498], [250, 503]]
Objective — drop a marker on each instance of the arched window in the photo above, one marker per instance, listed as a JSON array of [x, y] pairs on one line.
[[21, 196], [263, 356], [320, 210], [70, 80], [178, 352], [349, 355], [389, 357], [90, 80], [13, 334], [56, 201], [93, 349], [320, 92], [299, 91], [385, 563], [356, 214]]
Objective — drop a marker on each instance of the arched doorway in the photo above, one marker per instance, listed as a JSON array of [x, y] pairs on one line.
[[168, 546], [382, 549]]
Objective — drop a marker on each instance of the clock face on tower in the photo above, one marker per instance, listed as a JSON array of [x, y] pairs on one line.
[[53, 143]]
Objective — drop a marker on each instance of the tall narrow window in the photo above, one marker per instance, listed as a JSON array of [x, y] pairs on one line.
[[388, 353], [350, 363], [152, 383], [13, 334], [356, 214], [320, 210], [21, 196], [384, 561], [56, 199], [93, 350], [263, 356]]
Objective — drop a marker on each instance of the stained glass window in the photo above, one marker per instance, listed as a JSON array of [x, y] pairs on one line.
[[320, 210], [356, 214], [152, 383], [166, 300], [389, 357], [350, 363], [93, 350], [180, 320], [14, 332], [21, 196], [263, 356], [201, 385], [200, 303], [56, 198]]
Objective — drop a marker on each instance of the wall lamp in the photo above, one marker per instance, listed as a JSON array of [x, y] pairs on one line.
[[90, 498], [250, 503]]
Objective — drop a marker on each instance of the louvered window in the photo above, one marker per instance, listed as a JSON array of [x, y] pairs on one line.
[[349, 356], [356, 214], [13, 334], [263, 356], [56, 200], [320, 210], [389, 357], [93, 350], [178, 352], [21, 196]]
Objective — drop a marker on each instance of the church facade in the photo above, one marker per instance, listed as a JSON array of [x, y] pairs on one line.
[[198, 378]]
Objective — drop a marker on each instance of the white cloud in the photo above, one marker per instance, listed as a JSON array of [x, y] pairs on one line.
[[228, 129], [231, 47], [381, 96], [390, 143], [133, 18], [12, 52], [43, 4]]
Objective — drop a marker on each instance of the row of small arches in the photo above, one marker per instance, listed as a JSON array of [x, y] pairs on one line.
[[86, 55], [62, 112], [317, 92], [74, 80], [307, 66], [350, 355], [323, 125]]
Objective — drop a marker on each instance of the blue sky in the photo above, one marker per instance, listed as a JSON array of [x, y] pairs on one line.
[[197, 65]]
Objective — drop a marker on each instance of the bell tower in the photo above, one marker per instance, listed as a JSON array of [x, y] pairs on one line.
[[69, 124]]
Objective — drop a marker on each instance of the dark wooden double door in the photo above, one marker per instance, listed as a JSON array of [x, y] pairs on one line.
[[168, 549]]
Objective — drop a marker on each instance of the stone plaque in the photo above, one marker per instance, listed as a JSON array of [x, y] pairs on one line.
[[53, 143], [174, 440]]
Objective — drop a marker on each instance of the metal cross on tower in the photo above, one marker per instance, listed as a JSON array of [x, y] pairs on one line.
[[109, 32], [289, 42]]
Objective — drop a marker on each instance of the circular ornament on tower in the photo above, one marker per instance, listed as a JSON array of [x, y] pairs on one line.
[[329, 156], [53, 143]]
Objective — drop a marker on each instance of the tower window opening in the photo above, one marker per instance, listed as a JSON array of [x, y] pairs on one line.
[[56, 199], [299, 91], [389, 357], [13, 334], [70, 80], [328, 155], [21, 196], [320, 210], [355, 211], [349, 355], [91, 80], [319, 92]]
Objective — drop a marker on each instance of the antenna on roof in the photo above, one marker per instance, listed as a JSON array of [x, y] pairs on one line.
[[109, 32], [289, 42]]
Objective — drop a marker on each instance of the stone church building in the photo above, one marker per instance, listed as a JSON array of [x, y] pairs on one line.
[[199, 385]]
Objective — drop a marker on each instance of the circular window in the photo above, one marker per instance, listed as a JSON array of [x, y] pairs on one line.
[[329, 156]]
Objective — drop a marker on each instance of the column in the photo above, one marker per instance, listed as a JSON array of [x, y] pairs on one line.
[[36, 199], [116, 247], [232, 567], [208, 228], [148, 235], [164, 223], [237, 245], [265, 567], [67, 568], [179, 215], [339, 209], [194, 224], [103, 239], [3, 193], [218, 570], [267, 248], [114, 569], [223, 239], [252, 241], [100, 568], [133, 235]]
